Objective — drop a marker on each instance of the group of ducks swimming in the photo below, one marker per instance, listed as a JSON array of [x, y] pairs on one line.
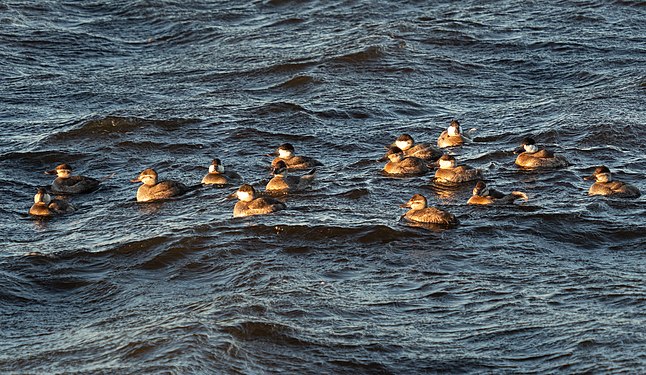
[[405, 158]]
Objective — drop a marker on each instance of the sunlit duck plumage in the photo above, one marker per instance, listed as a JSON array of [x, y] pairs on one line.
[[399, 164], [450, 173], [283, 183], [484, 195], [605, 185], [533, 157], [285, 152], [420, 213], [153, 190], [451, 137], [218, 175], [44, 205], [65, 183], [422, 151], [248, 204]]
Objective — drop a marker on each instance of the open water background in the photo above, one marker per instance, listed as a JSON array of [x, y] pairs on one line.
[[335, 284]]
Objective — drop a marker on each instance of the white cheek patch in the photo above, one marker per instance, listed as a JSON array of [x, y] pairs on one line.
[[403, 145], [453, 131], [213, 168], [604, 177], [243, 196], [45, 198], [531, 149], [284, 154], [444, 164]]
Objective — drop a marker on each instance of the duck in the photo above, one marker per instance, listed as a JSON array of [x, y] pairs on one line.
[[248, 204], [285, 152], [44, 205], [605, 185], [154, 190], [450, 173], [281, 182], [484, 195], [399, 164], [65, 183], [421, 151], [530, 156], [451, 137], [420, 213], [218, 175]]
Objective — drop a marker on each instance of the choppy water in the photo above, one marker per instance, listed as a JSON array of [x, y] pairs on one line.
[[335, 284]]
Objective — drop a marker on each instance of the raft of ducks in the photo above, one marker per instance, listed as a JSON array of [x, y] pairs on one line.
[[405, 158]]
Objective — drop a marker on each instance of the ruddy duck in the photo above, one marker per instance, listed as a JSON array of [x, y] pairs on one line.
[[421, 151], [400, 164], [217, 175], [420, 213], [604, 185], [249, 205], [284, 183], [485, 195], [532, 157], [450, 173], [285, 152], [152, 190], [65, 183], [451, 136], [44, 205]]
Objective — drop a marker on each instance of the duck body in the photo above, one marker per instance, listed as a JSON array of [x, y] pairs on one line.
[[530, 156], [152, 190], [482, 195], [457, 175], [249, 205], [65, 183], [406, 166], [451, 137], [218, 175], [44, 205], [420, 213], [614, 188], [407, 144], [605, 185], [285, 152], [541, 159], [297, 162], [446, 140], [161, 190], [281, 182]]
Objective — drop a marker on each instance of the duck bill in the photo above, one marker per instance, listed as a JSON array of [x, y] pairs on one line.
[[519, 150], [590, 178], [135, 180], [53, 171], [405, 205]]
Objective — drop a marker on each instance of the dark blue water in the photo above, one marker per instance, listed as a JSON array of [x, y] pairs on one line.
[[336, 283]]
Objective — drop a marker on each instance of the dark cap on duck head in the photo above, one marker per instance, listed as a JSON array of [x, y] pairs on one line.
[[60, 167]]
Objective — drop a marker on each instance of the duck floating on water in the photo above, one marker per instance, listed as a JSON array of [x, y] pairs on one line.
[[218, 175], [420, 150], [248, 204], [530, 156], [44, 205], [285, 152], [65, 183], [451, 173], [281, 182], [400, 164], [484, 195], [451, 137], [420, 212], [605, 185], [153, 190]]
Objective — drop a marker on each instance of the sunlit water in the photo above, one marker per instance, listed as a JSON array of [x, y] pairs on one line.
[[336, 283]]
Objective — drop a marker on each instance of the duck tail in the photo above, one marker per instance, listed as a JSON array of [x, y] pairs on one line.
[[520, 195]]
